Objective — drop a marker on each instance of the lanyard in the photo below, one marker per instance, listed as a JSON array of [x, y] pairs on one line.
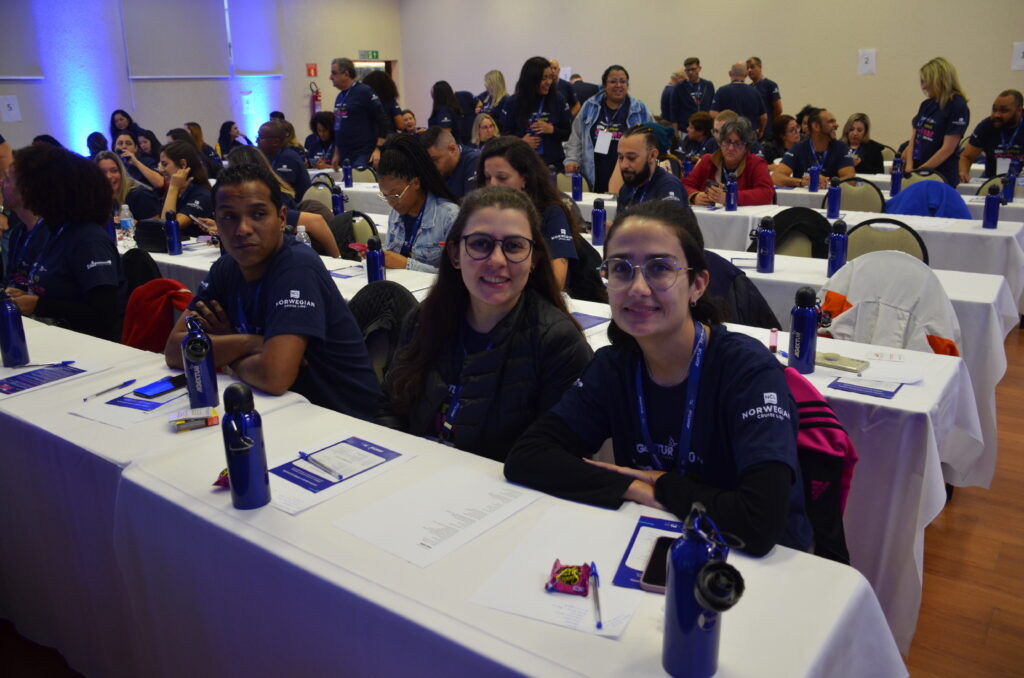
[[344, 95], [647, 187], [697, 92], [454, 404], [818, 160], [22, 248], [243, 325], [42, 255], [692, 383], [413, 232], [1002, 137], [605, 111]]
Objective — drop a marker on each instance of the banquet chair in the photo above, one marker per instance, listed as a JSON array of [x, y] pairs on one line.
[[866, 237], [380, 309], [737, 294], [888, 153], [151, 313], [995, 181], [859, 195], [563, 182], [352, 227], [320, 191], [799, 232], [364, 175], [921, 175]]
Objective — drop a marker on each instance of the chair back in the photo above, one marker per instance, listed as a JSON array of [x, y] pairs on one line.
[[921, 175], [563, 182], [351, 227], [363, 227], [737, 294], [859, 195], [799, 232], [379, 309], [364, 175], [320, 192], [997, 180], [883, 233], [888, 153]]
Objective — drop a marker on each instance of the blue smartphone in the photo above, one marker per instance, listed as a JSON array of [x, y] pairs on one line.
[[161, 386]]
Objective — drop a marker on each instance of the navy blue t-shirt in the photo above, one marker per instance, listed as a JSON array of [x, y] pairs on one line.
[[661, 186], [290, 167], [802, 155], [554, 224], [745, 416], [741, 98], [144, 202], [688, 99], [357, 112], [998, 143], [615, 123], [318, 149], [135, 173], [297, 296], [442, 116], [567, 92], [391, 111], [769, 93], [931, 127], [75, 259], [549, 109], [699, 149], [463, 178]]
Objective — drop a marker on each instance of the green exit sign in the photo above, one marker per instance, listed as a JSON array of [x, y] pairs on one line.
[[369, 54]]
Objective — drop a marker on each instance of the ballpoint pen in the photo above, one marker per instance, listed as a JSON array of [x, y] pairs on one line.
[[319, 464], [596, 580], [108, 390], [62, 363]]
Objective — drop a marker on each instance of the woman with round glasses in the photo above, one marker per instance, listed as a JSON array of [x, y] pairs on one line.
[[696, 413], [706, 183], [493, 346], [422, 206]]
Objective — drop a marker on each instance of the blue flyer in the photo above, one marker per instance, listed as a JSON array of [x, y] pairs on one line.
[[44, 375], [638, 550]]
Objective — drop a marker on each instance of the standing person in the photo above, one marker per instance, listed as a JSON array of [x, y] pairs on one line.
[[738, 96], [705, 184], [141, 167], [998, 135], [484, 129], [120, 121], [583, 90], [565, 88], [188, 186], [446, 111], [867, 152], [230, 138], [493, 345], [690, 95], [537, 112], [386, 90], [603, 119], [674, 392], [457, 164], [940, 123], [358, 118], [642, 178], [666, 93], [493, 97], [320, 144], [768, 90], [820, 148], [285, 161], [273, 313], [141, 200]]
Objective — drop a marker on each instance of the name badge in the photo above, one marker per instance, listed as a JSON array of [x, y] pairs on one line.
[[1002, 165], [603, 143]]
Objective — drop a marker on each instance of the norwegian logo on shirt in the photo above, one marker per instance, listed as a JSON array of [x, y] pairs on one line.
[[771, 399], [294, 300], [283, 168], [578, 383], [770, 410], [294, 294], [93, 264], [195, 203]]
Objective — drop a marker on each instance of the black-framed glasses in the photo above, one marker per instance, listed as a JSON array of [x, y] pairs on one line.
[[516, 248], [660, 273]]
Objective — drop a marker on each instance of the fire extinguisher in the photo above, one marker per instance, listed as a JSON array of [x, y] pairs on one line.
[[314, 99]]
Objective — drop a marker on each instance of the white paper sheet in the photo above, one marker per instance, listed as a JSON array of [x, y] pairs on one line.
[[102, 410], [575, 535], [866, 63], [427, 521]]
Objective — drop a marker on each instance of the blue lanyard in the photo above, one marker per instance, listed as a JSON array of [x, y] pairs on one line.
[[344, 95], [647, 187], [1002, 137], [22, 248], [697, 92], [243, 326], [605, 111], [819, 160], [454, 404], [42, 255], [692, 384], [410, 238]]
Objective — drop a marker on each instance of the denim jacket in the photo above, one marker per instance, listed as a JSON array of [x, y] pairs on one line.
[[438, 216], [581, 147]]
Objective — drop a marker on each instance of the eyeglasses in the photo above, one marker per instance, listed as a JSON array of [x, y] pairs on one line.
[[394, 197], [732, 144], [691, 69], [516, 248], [660, 273]]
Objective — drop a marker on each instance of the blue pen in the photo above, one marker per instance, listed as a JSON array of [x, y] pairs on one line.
[[306, 456], [108, 390], [597, 585], [62, 363]]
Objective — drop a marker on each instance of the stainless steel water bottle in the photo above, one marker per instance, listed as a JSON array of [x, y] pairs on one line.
[[243, 445], [200, 369], [766, 246], [803, 333]]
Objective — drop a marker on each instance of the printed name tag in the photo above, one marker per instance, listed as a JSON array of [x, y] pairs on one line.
[[603, 143]]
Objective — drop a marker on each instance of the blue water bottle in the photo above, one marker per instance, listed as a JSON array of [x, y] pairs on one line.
[[173, 233], [699, 587], [243, 445], [803, 332], [346, 173], [577, 186], [813, 178], [990, 217], [766, 246], [833, 199], [200, 371], [837, 247], [598, 217], [374, 260], [1009, 184], [732, 193], [12, 334], [687, 167], [896, 179], [337, 200]]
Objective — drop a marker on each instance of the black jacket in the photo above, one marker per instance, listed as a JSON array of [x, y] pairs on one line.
[[536, 354]]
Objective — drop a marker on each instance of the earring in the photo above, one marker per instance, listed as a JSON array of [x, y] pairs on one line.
[[693, 303]]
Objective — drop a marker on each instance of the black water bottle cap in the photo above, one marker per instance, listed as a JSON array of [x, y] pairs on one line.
[[767, 224], [373, 243], [993, 190], [599, 203], [238, 398], [335, 188], [169, 214], [719, 586], [839, 227], [806, 296], [834, 182]]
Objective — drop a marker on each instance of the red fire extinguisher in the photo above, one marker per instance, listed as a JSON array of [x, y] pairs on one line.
[[314, 99]]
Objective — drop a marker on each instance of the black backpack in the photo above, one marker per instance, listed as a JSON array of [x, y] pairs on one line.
[[344, 233]]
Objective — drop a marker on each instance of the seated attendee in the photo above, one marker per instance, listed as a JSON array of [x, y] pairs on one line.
[[285, 161], [409, 123], [74, 278], [642, 178], [121, 121], [141, 200], [141, 168], [422, 206], [867, 152], [182, 134], [785, 133], [272, 311], [742, 98], [493, 97], [706, 183], [821, 148], [96, 142], [803, 119], [493, 346], [998, 136], [484, 129], [446, 111], [671, 363], [456, 164], [386, 90], [724, 117], [25, 233], [213, 164], [699, 141], [509, 161], [320, 144], [149, 145], [291, 141], [537, 113], [230, 137], [277, 115], [188, 187]]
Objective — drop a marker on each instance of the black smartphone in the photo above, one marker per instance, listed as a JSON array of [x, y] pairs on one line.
[[656, 572], [712, 184], [160, 387]]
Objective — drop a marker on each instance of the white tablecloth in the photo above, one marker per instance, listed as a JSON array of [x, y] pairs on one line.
[[264, 593]]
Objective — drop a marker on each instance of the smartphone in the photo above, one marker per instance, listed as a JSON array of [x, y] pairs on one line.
[[160, 387], [196, 221], [712, 184], [656, 572]]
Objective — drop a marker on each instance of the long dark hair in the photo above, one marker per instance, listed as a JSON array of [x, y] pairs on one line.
[[678, 218], [441, 313], [530, 76], [224, 139], [186, 151], [403, 156], [60, 186], [525, 161], [443, 95], [132, 126], [382, 85], [154, 143]]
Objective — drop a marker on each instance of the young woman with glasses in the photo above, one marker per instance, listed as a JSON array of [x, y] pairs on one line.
[[696, 413], [493, 346]]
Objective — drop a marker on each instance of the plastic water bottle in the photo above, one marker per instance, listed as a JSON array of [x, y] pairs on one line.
[[127, 222], [990, 217], [302, 236], [896, 179], [577, 186], [699, 587], [1009, 184], [833, 199], [687, 167], [814, 178], [837, 242], [12, 334], [346, 173], [374, 260], [200, 370], [337, 200], [732, 193], [766, 246], [598, 217], [243, 445], [803, 333], [173, 233]]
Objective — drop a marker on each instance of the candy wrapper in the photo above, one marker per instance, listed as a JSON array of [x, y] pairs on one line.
[[572, 579], [222, 480]]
